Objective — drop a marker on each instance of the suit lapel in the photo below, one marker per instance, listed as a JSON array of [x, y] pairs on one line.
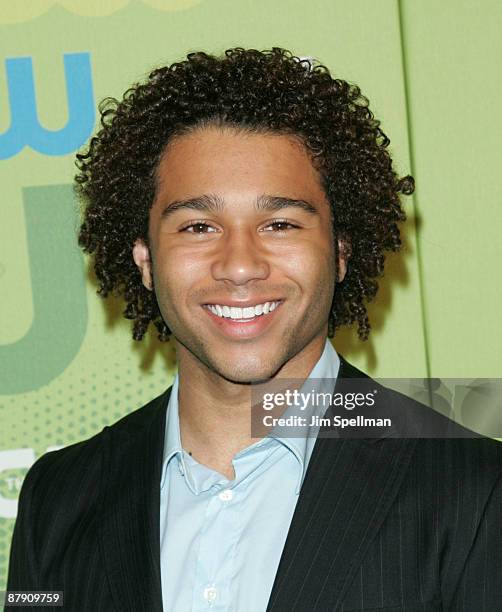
[[348, 489], [129, 527]]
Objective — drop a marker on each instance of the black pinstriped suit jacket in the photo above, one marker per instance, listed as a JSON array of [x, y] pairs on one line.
[[381, 524]]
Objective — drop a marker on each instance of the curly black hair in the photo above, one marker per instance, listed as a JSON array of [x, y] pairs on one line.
[[272, 91]]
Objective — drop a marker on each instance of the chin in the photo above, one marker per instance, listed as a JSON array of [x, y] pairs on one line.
[[246, 371]]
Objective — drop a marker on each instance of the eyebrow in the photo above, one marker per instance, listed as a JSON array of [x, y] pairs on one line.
[[211, 203]]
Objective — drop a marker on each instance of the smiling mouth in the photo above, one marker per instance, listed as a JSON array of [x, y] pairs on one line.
[[243, 315]]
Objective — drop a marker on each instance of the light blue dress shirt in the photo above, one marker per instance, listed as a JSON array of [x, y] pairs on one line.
[[221, 540]]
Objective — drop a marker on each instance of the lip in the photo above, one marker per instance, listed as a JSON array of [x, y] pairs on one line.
[[243, 331]]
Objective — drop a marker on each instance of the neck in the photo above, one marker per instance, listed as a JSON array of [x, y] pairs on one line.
[[215, 413]]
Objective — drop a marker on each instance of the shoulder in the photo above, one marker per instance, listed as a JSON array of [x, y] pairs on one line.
[[63, 492], [58, 474], [442, 446]]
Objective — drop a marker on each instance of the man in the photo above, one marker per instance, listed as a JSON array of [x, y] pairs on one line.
[[244, 205]]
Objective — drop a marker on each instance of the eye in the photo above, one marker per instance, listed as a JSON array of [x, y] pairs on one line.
[[197, 227], [281, 225]]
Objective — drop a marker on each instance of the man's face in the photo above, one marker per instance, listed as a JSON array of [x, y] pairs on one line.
[[240, 221]]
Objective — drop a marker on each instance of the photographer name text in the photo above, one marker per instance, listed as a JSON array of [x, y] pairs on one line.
[[318, 421]]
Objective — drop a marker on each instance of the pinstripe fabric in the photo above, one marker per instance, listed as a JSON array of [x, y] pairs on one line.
[[381, 524]]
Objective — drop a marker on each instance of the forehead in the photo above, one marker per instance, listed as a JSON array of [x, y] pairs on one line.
[[224, 159]]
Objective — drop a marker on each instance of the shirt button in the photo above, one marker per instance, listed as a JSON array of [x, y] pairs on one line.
[[210, 594], [226, 495]]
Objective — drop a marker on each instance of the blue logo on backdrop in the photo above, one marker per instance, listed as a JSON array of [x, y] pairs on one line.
[[25, 128]]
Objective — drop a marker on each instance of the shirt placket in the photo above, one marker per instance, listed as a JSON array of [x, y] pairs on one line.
[[216, 554]]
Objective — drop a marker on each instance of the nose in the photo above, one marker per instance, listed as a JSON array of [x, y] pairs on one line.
[[240, 258]]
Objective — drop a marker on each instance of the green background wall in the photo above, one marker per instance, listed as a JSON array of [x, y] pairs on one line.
[[67, 364]]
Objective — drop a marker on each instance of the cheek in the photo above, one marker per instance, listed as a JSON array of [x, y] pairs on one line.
[[322, 265], [167, 275], [314, 261], [177, 275], [176, 266]]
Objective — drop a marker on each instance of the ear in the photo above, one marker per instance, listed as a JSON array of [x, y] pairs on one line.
[[344, 253], [141, 256]]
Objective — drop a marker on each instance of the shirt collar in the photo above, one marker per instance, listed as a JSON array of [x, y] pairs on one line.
[[326, 368], [172, 437], [324, 373]]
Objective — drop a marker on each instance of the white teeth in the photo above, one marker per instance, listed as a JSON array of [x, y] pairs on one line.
[[242, 314]]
